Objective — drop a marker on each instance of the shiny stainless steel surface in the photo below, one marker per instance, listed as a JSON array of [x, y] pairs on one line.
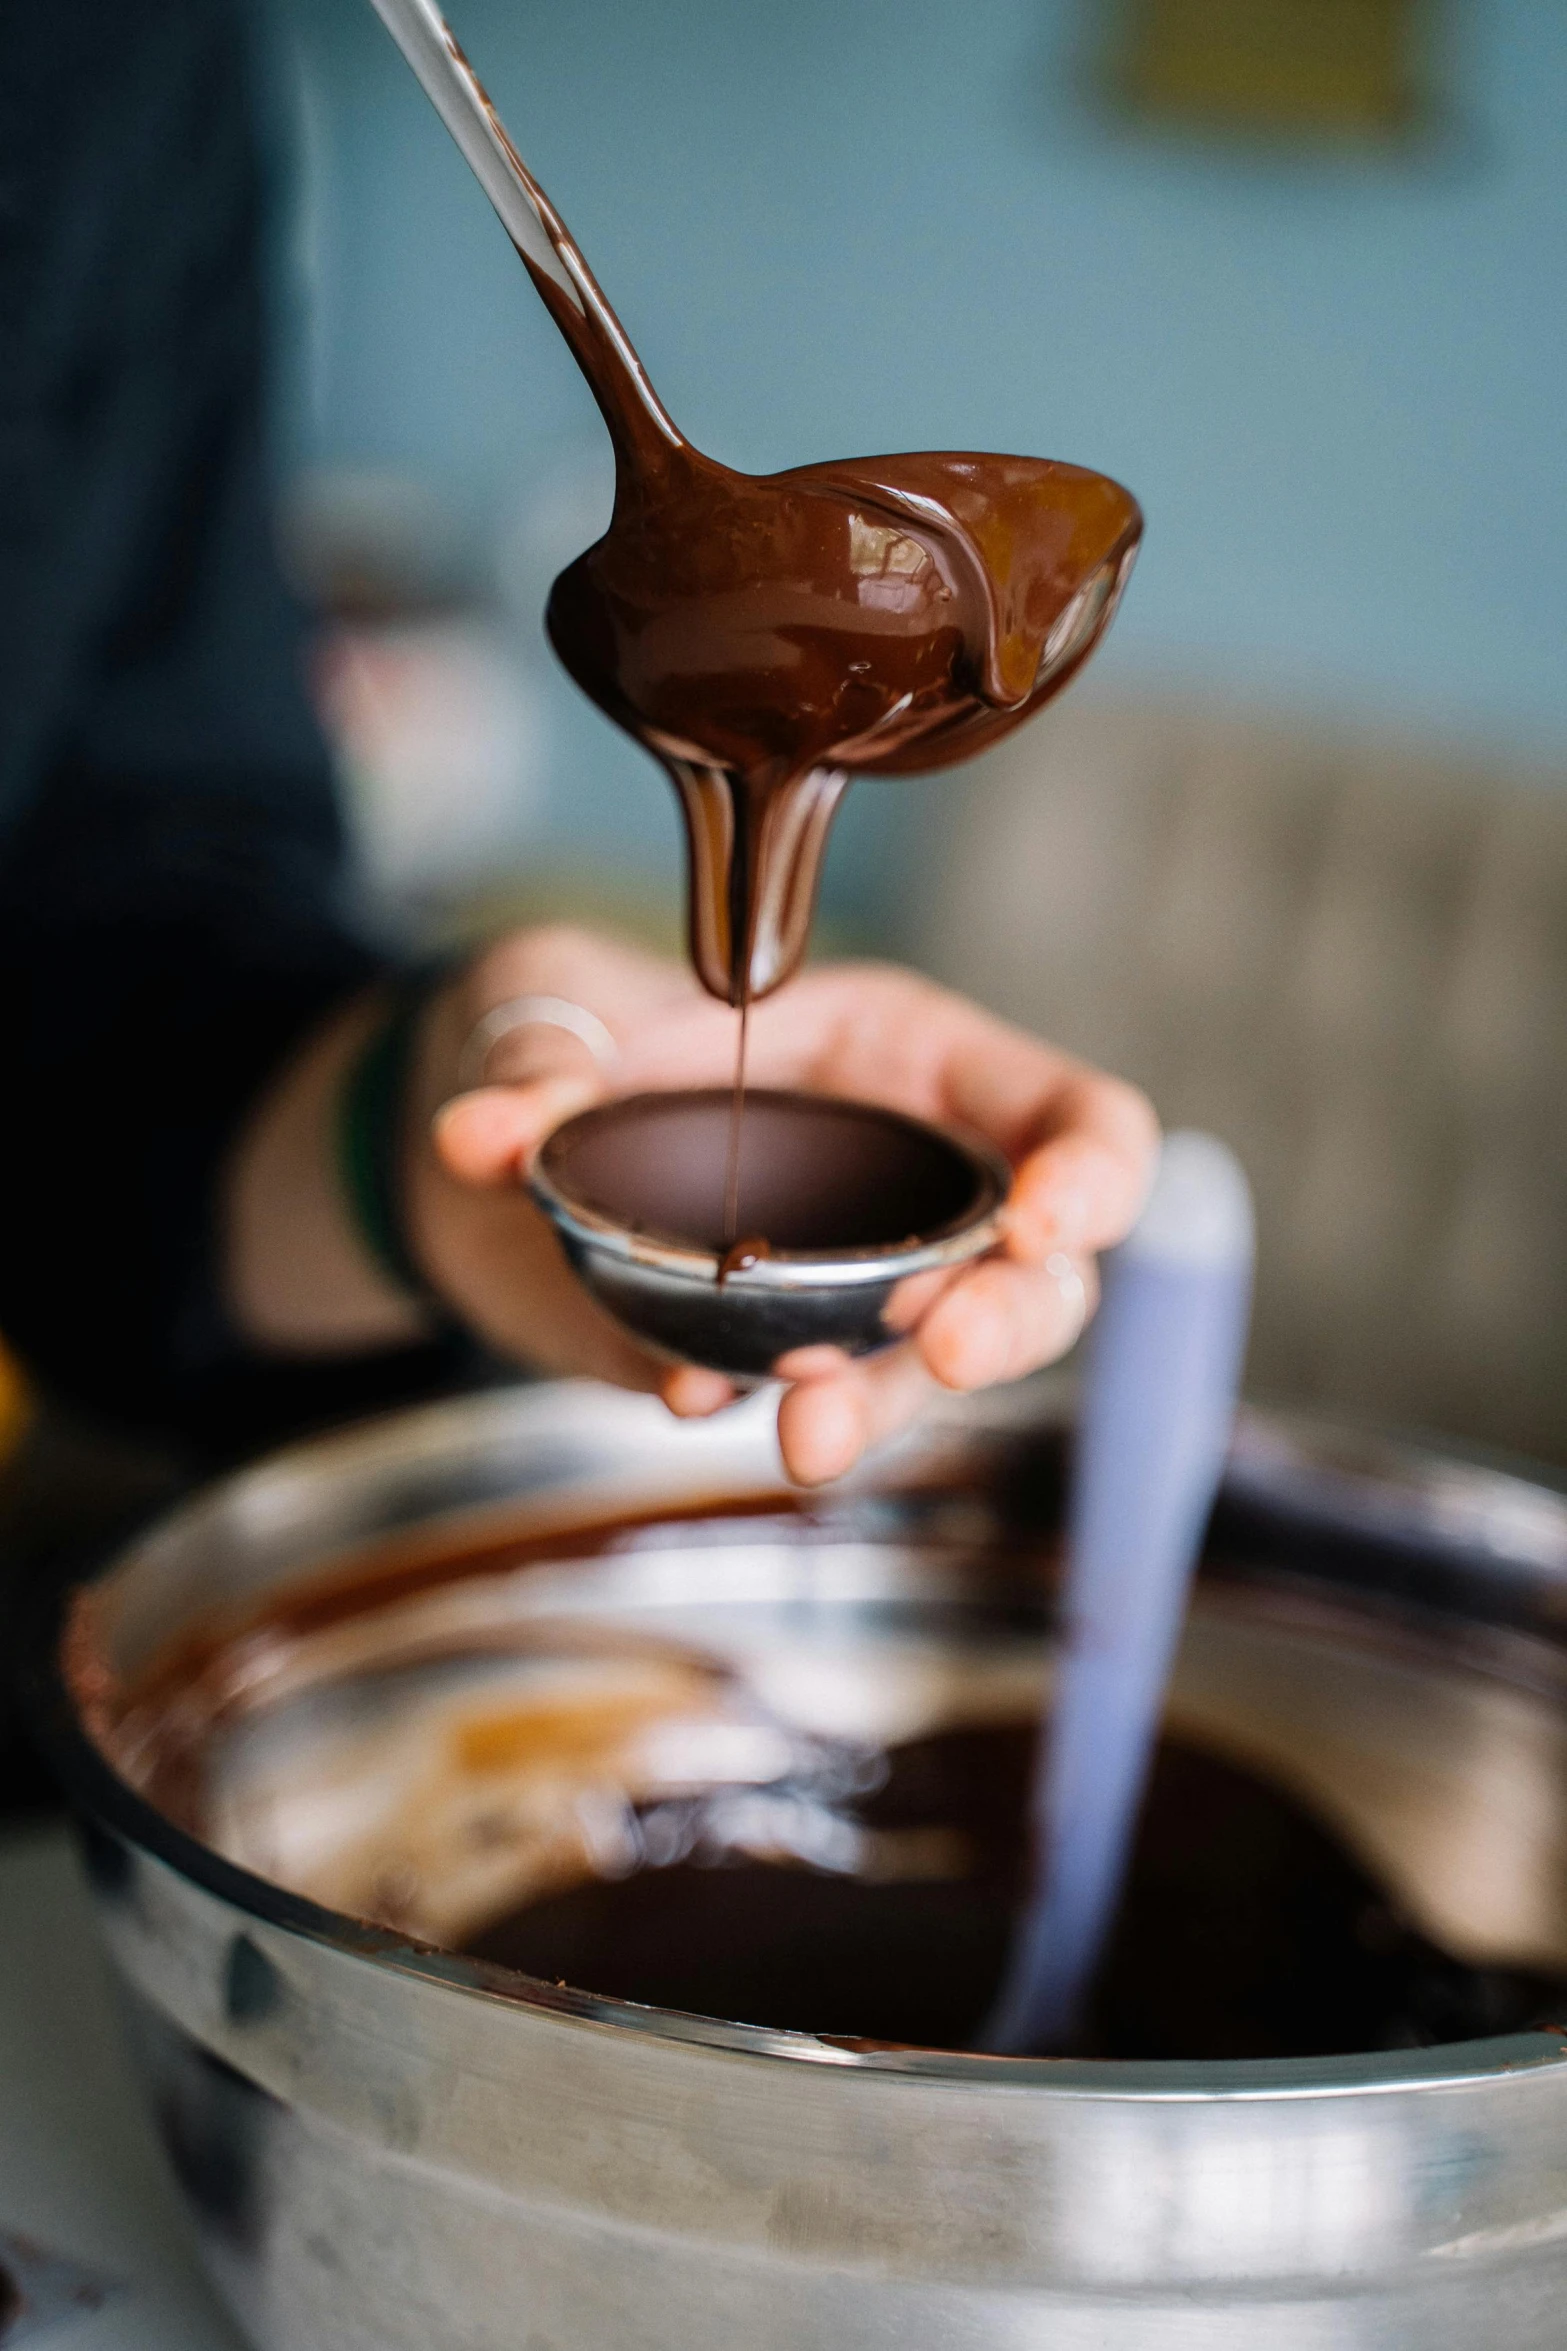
[[81, 2170], [383, 2146], [670, 1295]]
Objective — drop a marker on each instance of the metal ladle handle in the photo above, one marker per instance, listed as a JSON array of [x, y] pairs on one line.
[[632, 409], [463, 104]]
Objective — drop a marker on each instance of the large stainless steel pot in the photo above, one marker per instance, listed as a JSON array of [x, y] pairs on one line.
[[382, 2147]]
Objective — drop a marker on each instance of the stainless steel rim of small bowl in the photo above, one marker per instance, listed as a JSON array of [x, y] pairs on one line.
[[797, 1269], [111, 1805]]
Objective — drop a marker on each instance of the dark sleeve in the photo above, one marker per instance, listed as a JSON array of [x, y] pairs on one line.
[[171, 860]]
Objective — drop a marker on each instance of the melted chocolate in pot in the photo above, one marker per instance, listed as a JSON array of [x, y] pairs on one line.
[[1247, 1929]]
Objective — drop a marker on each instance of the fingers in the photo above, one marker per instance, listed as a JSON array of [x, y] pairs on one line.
[[535, 1073], [1083, 1144], [623, 984], [487, 1137], [999, 1321], [1002, 1320], [693, 1393], [1080, 1188], [996, 1323], [826, 1423], [1082, 1147]]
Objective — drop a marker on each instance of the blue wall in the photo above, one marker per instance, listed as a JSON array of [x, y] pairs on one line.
[[1336, 385]]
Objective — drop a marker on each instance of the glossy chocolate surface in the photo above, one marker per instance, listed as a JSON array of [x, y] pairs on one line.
[[693, 1843], [1246, 1930], [769, 636]]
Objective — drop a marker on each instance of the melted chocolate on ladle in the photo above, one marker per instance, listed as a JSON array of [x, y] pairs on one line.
[[769, 636]]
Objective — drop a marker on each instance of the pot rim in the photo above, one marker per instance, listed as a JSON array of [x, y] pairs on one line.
[[113, 1809]]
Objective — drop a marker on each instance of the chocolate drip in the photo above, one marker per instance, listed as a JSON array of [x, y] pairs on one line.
[[742, 1255]]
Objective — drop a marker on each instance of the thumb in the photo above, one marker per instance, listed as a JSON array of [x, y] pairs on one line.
[[488, 1136]]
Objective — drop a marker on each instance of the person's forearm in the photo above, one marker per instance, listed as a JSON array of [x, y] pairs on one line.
[[298, 1275]]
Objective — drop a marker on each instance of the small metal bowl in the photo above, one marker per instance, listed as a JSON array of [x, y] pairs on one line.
[[851, 1200]]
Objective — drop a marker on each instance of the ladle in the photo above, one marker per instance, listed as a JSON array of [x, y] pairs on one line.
[[767, 636]]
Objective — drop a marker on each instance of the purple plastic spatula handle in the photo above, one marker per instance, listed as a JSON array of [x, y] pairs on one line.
[[1158, 1402]]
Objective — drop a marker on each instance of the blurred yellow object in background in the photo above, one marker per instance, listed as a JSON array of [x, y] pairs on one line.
[[1338, 68], [16, 1404]]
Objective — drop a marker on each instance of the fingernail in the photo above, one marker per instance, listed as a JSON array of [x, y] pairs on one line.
[[825, 1435], [820, 1362], [551, 1101], [694, 1394], [1064, 1212], [982, 1351], [563, 1097], [1073, 1291]]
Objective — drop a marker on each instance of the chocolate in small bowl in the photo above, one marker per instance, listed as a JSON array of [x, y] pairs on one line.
[[838, 1202]]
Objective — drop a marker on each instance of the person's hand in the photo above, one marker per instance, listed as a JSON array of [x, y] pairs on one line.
[[1081, 1145]]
